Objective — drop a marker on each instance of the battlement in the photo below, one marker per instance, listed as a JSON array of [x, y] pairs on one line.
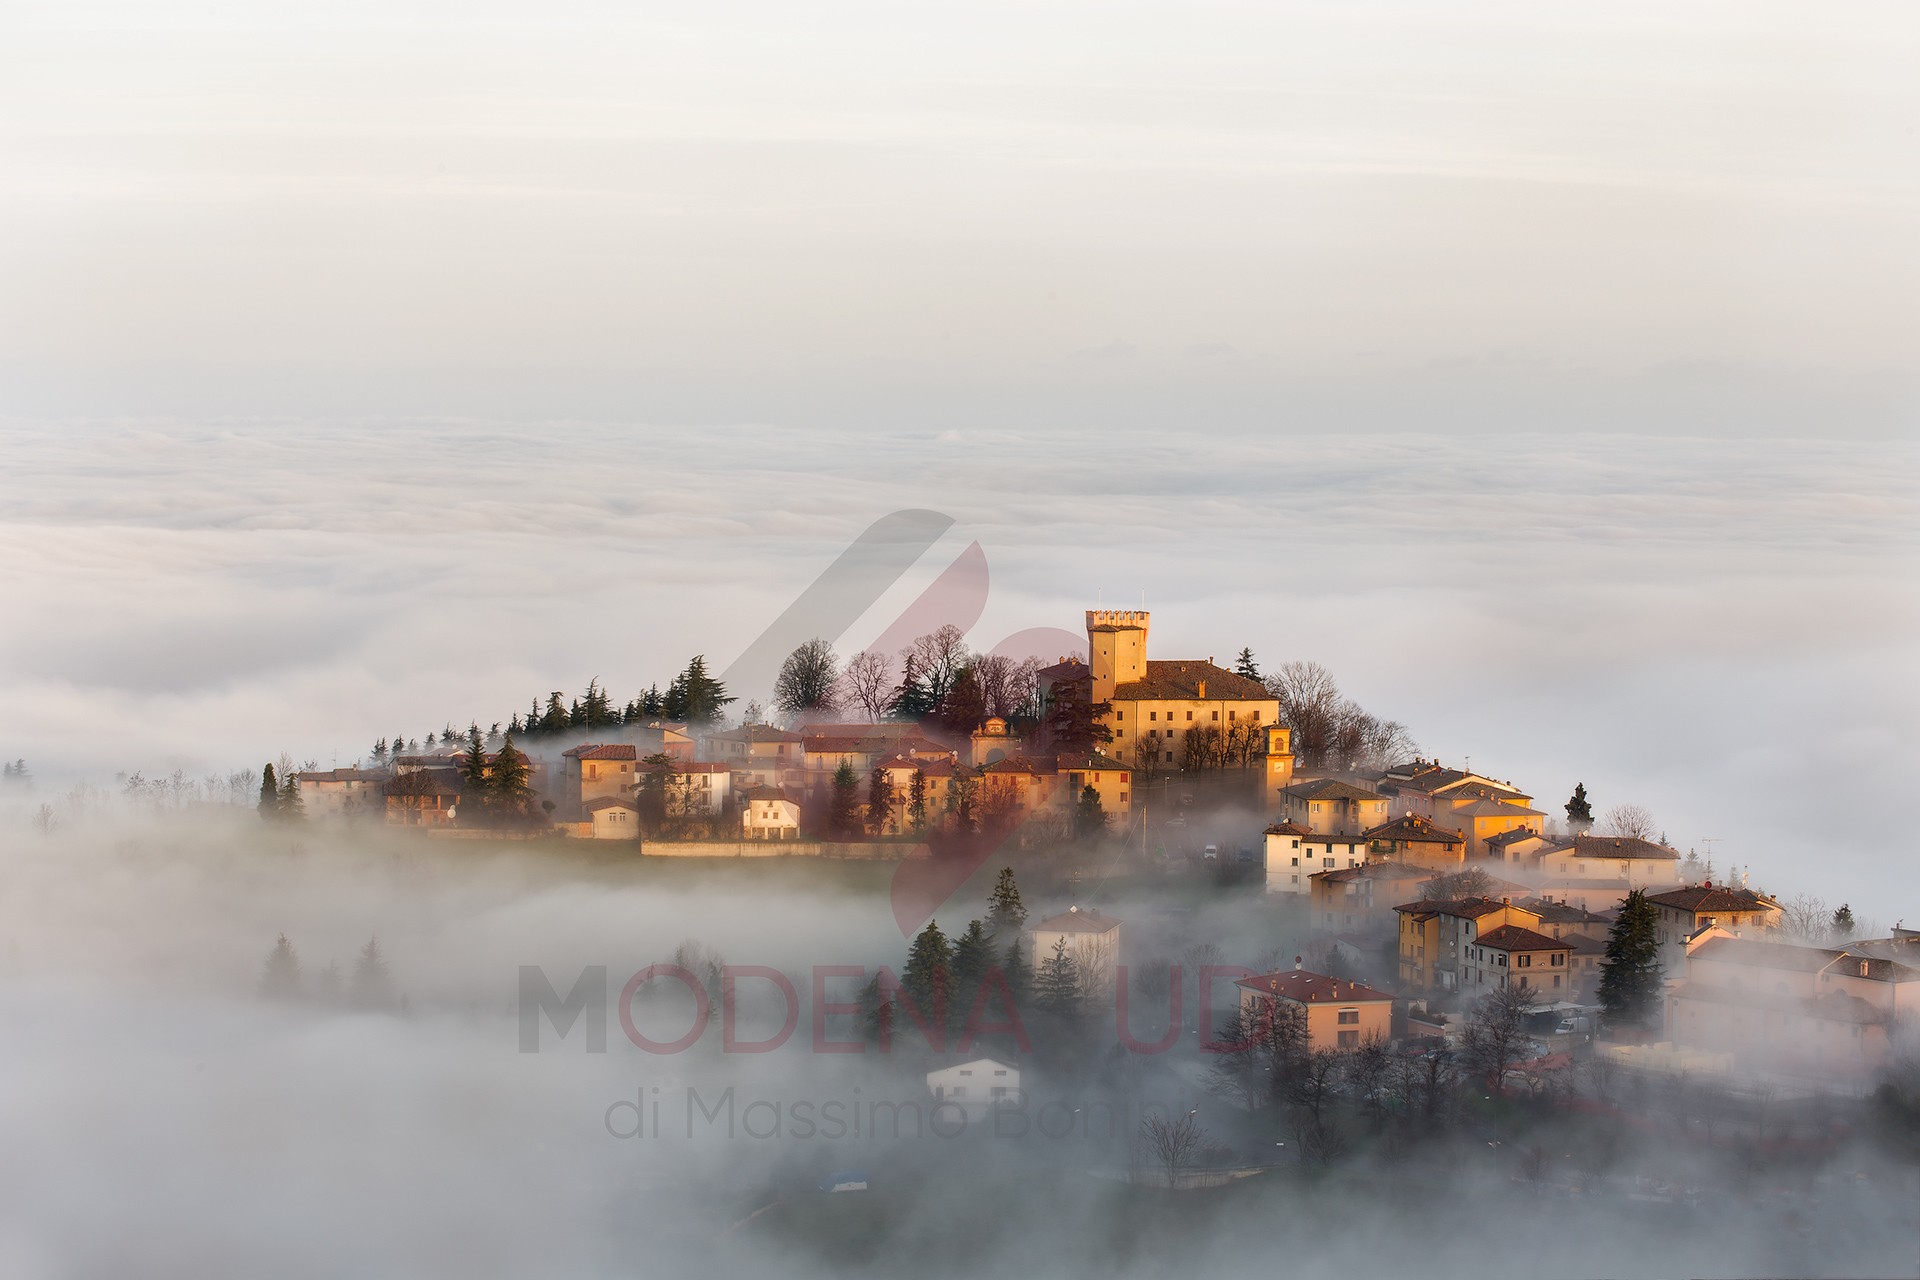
[[1116, 619]]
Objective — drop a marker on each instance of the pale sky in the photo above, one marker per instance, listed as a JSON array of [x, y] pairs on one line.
[[1660, 216]]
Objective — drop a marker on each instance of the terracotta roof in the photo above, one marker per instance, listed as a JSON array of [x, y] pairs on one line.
[[1092, 762], [611, 802], [702, 766], [1305, 987], [1464, 908], [1075, 921], [1562, 913], [1329, 789], [1373, 871], [1496, 809], [603, 751], [868, 744], [1514, 937], [754, 733], [769, 793], [1287, 829], [342, 775], [1486, 791], [1068, 669], [424, 782], [1709, 897], [1179, 681], [1038, 767], [1621, 847], [1515, 836], [1414, 829]]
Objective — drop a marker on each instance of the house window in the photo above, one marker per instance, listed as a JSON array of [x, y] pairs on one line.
[[1349, 1017], [1216, 715], [1229, 715], [1349, 1039], [1153, 715], [1189, 715]]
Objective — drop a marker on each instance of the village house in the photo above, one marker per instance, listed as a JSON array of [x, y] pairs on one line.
[[609, 818], [824, 748], [342, 793], [975, 1087], [1361, 900], [760, 756], [1518, 846], [1685, 912], [992, 741], [1597, 872], [1412, 838], [1326, 806], [1091, 939], [1110, 780], [595, 771], [1804, 1011], [1434, 937], [769, 814], [1514, 955], [699, 789], [1293, 854], [422, 797], [1340, 1013]]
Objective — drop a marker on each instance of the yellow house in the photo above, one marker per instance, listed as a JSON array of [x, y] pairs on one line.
[[596, 771], [1516, 956], [1412, 838], [1435, 937], [1341, 1014], [1328, 807], [1684, 912]]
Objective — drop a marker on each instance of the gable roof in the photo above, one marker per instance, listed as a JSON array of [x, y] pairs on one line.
[[611, 802], [1413, 829], [1092, 762], [1179, 681], [1464, 908], [1496, 809], [1075, 920], [1305, 987], [1710, 897], [1502, 839], [1620, 847], [603, 751], [754, 733], [1514, 937], [1329, 789]]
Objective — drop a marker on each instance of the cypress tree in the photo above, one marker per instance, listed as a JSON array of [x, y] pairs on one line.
[[269, 806], [509, 793], [1089, 819], [841, 814], [1579, 811], [291, 808], [917, 800], [1630, 976], [879, 801], [1244, 665]]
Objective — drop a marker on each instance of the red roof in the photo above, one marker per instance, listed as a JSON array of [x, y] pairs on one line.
[[603, 751], [1514, 937], [1305, 987]]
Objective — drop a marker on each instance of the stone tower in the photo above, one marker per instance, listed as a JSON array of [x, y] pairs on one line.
[[1116, 648], [1279, 770]]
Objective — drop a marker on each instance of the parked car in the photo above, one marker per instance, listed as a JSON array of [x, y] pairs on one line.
[[1211, 852]]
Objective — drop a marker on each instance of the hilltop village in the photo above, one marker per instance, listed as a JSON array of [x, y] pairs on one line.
[[1444, 910]]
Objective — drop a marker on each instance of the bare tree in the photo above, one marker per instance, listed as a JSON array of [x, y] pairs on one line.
[[1320, 1140], [807, 680], [1806, 917], [867, 683], [1174, 1143], [1452, 885], [1496, 1035], [936, 658], [1314, 1079], [1631, 821], [1309, 700]]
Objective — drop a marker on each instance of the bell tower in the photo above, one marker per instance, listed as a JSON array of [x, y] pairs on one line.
[[1279, 765], [1116, 648]]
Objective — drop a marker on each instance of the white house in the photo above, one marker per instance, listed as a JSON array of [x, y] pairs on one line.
[[614, 819], [699, 788], [769, 813], [975, 1087], [334, 793], [1092, 939], [1295, 853]]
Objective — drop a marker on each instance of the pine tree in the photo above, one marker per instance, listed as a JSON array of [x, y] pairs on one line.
[[599, 710], [1630, 977], [972, 957], [291, 808], [474, 781], [514, 725], [1006, 914], [1843, 925], [509, 790], [555, 719], [654, 704], [1057, 985], [1089, 819], [963, 708], [1074, 724], [917, 800], [280, 980], [843, 808], [1579, 811], [533, 717], [372, 985], [912, 699], [1244, 665], [396, 748], [876, 1011], [379, 752], [928, 977], [576, 715], [879, 801], [1019, 974], [704, 698], [269, 806]]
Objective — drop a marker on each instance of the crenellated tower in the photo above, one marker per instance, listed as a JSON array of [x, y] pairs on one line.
[[1116, 648]]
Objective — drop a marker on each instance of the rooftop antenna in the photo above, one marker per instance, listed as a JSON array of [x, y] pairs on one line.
[[1710, 841]]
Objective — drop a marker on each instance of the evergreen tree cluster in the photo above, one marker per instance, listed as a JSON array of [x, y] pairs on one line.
[[280, 795], [14, 774], [984, 969], [370, 988], [1631, 980]]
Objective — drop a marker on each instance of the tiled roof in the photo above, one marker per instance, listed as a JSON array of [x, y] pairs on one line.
[[755, 733], [1621, 847], [1413, 829], [611, 802], [1287, 829], [769, 793], [603, 751], [1707, 897], [342, 775], [1515, 836], [868, 744], [1329, 789], [1074, 921], [1312, 988], [1179, 681], [1514, 937], [1496, 809], [1036, 766], [1562, 913], [1092, 762], [702, 766], [1464, 908]]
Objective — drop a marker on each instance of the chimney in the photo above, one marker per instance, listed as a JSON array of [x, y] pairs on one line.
[[1203, 684]]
